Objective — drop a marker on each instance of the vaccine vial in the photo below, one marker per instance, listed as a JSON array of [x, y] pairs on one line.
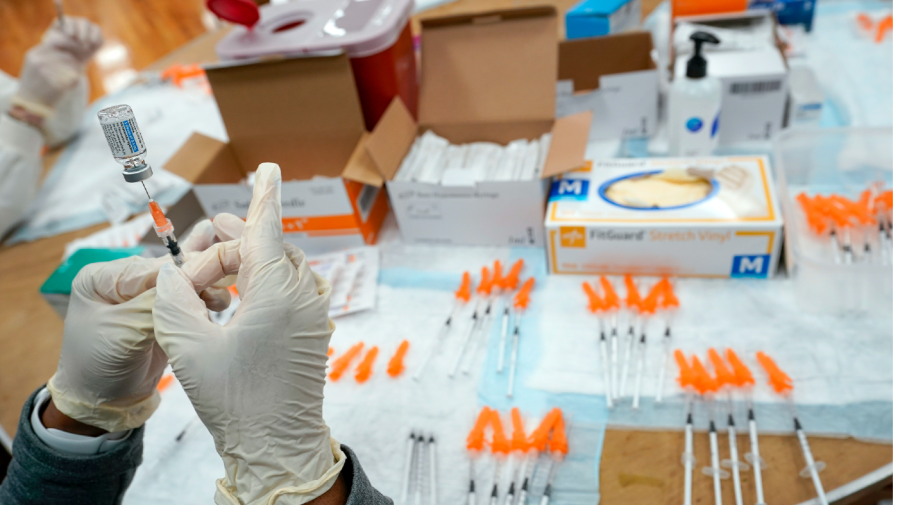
[[125, 141]]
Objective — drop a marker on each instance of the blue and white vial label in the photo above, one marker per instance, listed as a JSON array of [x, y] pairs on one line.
[[124, 138]]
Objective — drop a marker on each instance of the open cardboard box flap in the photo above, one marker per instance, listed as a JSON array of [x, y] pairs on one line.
[[491, 67], [394, 135], [485, 77], [584, 61], [301, 113]]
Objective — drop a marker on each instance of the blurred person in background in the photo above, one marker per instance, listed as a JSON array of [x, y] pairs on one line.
[[43, 107]]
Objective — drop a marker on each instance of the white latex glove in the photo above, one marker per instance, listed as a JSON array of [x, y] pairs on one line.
[[257, 383], [55, 65], [110, 363]]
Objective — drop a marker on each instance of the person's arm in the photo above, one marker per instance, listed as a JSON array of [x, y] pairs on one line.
[[43, 474], [53, 70], [21, 142]]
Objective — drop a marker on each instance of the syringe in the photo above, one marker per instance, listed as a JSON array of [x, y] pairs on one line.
[[166, 231], [127, 146]]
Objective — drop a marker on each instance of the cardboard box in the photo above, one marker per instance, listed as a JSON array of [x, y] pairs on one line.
[[594, 18], [484, 77], [755, 83], [729, 233], [303, 114], [615, 78]]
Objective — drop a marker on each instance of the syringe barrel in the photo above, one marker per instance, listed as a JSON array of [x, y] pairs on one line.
[[125, 141]]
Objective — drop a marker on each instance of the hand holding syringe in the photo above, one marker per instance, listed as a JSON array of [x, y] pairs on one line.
[[127, 146]]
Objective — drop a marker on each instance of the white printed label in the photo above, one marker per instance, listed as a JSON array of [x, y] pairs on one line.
[[124, 138]]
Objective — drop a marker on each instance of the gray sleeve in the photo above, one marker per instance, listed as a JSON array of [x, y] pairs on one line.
[[40, 474], [361, 492]]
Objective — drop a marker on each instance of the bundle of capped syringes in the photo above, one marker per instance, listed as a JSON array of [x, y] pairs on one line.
[[433, 159]]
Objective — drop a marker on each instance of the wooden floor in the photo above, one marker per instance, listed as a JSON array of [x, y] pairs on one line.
[[137, 33]]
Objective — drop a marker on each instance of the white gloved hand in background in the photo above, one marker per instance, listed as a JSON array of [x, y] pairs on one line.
[[110, 363], [55, 65], [257, 383]]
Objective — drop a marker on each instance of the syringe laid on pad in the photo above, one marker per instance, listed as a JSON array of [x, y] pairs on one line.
[[127, 146]]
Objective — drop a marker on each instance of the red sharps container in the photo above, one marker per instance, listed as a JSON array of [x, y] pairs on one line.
[[375, 34]]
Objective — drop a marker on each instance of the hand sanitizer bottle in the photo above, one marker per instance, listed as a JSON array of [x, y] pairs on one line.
[[695, 105]]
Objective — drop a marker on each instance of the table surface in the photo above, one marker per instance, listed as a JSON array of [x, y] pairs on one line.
[[637, 466]]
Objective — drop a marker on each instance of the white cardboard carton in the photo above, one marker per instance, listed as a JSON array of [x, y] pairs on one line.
[[615, 78], [484, 77], [735, 231], [754, 85]]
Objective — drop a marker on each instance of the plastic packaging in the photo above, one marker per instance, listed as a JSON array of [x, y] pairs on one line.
[[695, 105], [843, 161]]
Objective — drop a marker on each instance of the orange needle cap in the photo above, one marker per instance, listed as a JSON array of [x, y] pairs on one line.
[[397, 362], [721, 370], [363, 372], [475, 438], [464, 290], [687, 376], [558, 440], [486, 282], [612, 301], [741, 372], [595, 301], [518, 435], [779, 381]]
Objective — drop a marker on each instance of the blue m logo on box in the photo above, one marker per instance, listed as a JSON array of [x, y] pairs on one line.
[[569, 189], [751, 266]]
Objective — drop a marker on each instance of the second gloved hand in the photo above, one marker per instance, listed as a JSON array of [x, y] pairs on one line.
[[110, 363], [257, 383], [55, 65]]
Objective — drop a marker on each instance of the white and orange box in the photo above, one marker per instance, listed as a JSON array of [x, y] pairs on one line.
[[302, 113], [735, 229]]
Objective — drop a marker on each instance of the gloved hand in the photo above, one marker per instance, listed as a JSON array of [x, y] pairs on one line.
[[54, 66], [110, 362], [257, 383]]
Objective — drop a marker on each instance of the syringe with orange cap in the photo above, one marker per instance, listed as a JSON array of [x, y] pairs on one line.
[[647, 308], [486, 320], [669, 303], [707, 386], [462, 297], [687, 381], [820, 221], [743, 379], [519, 449], [726, 379], [558, 448], [484, 289], [500, 447], [508, 284], [520, 302], [538, 441], [127, 146], [612, 306], [596, 306], [634, 305], [782, 385], [475, 446]]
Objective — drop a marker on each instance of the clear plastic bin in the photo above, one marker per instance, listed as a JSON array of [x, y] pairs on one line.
[[845, 161]]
